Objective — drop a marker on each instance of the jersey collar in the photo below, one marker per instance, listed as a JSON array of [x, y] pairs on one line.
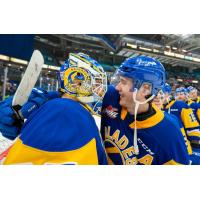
[[170, 104], [147, 123]]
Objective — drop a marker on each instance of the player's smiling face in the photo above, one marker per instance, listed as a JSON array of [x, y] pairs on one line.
[[125, 90], [158, 100]]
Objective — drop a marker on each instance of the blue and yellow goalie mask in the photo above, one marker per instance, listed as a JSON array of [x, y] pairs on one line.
[[83, 77]]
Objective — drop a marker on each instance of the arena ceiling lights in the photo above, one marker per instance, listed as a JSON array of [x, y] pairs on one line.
[[131, 49], [24, 62], [5, 58]]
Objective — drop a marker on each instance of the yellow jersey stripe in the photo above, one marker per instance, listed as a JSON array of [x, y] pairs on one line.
[[151, 121], [23, 154]]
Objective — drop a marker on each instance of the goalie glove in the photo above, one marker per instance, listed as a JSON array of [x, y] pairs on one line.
[[37, 98], [7, 119]]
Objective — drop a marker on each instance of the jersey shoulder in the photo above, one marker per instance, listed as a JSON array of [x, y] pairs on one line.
[[194, 105], [167, 132], [174, 119], [181, 104], [111, 97], [56, 126]]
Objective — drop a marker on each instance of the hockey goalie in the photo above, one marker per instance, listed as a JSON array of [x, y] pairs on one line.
[[60, 128]]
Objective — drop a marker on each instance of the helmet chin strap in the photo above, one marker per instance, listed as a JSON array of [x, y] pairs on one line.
[[137, 104]]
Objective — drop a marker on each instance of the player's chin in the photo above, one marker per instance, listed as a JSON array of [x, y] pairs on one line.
[[122, 102]]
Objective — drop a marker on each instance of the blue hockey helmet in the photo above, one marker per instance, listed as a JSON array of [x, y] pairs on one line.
[[191, 88], [181, 90], [143, 69], [167, 88]]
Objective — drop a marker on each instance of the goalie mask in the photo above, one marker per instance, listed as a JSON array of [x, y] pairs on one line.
[[83, 77]]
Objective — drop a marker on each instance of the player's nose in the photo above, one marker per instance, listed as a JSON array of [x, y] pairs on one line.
[[118, 87]]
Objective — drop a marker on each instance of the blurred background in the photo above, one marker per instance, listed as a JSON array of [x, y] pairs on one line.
[[179, 53]]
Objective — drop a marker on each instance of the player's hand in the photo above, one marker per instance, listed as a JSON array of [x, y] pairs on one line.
[[37, 98], [7, 120]]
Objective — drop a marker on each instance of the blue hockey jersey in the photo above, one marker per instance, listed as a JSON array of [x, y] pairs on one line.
[[160, 140], [62, 131]]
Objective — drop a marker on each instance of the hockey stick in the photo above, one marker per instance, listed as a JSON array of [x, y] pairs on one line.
[[28, 82]]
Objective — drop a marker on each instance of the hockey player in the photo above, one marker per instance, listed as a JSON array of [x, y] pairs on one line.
[[194, 104], [192, 91], [164, 96], [184, 113], [159, 99], [194, 101], [181, 94], [133, 130], [166, 91], [62, 130]]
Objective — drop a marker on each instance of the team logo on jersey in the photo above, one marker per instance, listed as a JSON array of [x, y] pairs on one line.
[[111, 112], [174, 110], [118, 148]]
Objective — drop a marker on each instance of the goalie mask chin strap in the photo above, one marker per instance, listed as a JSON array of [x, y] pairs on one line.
[[137, 104]]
